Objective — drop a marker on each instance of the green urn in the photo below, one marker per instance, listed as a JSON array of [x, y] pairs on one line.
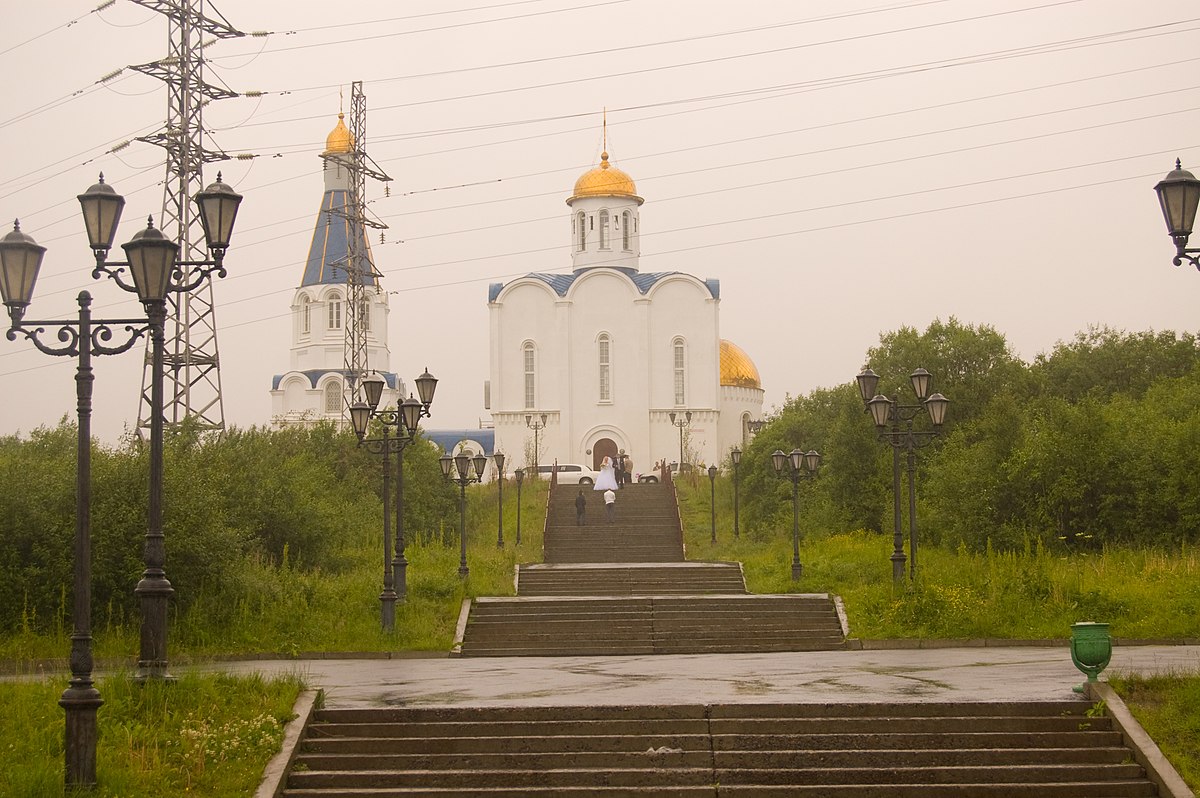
[[1091, 649]]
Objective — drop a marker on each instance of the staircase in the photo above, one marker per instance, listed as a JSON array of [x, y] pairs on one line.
[[907, 750], [646, 528], [623, 588]]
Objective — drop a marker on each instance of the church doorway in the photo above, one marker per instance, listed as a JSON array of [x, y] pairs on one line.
[[605, 447]]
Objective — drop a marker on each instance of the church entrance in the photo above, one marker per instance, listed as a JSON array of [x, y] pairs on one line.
[[605, 447]]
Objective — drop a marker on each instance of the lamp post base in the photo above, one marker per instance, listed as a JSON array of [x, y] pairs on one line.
[[81, 703], [400, 573], [387, 610], [464, 571], [898, 560], [797, 570]]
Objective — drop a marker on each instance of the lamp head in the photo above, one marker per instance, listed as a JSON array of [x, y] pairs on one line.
[[499, 458], [712, 473], [446, 461], [881, 410], [20, 261], [101, 206], [426, 385], [462, 464], [778, 459], [360, 416], [937, 406], [735, 455], [410, 414], [812, 461], [1178, 196], [868, 384], [480, 463], [921, 381], [218, 209], [519, 474], [151, 258], [373, 386], [796, 459]]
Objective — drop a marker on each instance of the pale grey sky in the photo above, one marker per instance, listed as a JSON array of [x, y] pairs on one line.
[[842, 167]]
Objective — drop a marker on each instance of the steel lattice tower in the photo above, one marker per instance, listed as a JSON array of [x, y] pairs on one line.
[[360, 272], [192, 374]]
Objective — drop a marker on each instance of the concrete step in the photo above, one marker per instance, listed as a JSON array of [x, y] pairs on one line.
[[764, 750]]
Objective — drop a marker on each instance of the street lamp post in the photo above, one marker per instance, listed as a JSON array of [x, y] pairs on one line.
[[889, 416], [101, 206], [1179, 195], [736, 456], [462, 476], [82, 338], [712, 499], [498, 458], [405, 419], [520, 475], [801, 465], [536, 426], [680, 424]]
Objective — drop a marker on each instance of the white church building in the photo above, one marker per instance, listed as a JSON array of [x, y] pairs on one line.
[[607, 353], [313, 388]]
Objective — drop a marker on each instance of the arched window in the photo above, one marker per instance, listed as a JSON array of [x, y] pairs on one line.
[[333, 397], [603, 229], [305, 315], [530, 376], [625, 231], [335, 312], [582, 232], [603, 355], [680, 372], [364, 315]]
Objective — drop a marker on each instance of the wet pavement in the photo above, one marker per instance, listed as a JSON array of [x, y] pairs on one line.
[[939, 674]]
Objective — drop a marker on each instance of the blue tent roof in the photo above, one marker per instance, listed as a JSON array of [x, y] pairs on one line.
[[448, 439], [326, 262]]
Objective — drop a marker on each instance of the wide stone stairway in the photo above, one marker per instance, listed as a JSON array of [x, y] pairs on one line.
[[625, 588], [859, 750]]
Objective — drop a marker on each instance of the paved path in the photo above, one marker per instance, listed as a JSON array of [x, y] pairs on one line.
[[946, 674]]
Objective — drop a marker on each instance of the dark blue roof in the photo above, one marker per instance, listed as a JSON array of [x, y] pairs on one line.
[[448, 439], [326, 262], [315, 375], [561, 283]]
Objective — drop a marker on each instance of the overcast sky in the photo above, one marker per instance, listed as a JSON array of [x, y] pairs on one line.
[[843, 167]]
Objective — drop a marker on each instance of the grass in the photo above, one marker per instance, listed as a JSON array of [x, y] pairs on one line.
[[209, 735], [1029, 594], [1168, 708]]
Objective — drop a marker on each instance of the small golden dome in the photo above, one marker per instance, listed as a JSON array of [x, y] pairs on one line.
[[339, 139], [605, 181], [737, 368]]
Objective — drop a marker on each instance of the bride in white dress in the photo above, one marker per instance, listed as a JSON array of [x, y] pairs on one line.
[[607, 479]]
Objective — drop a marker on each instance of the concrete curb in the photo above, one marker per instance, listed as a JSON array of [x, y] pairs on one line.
[[275, 774], [1145, 750], [460, 630]]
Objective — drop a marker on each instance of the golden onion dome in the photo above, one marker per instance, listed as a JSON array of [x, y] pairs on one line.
[[737, 369], [339, 139], [605, 180]]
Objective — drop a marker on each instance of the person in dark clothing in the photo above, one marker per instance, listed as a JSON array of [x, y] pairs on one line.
[[580, 509], [619, 468]]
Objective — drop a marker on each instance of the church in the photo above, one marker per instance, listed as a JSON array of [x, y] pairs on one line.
[[313, 388], [610, 358]]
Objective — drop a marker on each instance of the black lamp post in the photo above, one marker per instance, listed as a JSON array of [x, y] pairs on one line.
[[712, 499], [150, 252], [536, 426], [801, 465], [736, 457], [405, 419], [498, 458], [81, 338], [520, 475], [680, 424], [889, 415], [1178, 195], [462, 476]]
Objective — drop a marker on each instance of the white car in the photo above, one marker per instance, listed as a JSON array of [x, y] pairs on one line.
[[569, 473]]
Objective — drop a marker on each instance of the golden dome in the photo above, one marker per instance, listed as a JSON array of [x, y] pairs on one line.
[[339, 139], [605, 181], [737, 368]]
